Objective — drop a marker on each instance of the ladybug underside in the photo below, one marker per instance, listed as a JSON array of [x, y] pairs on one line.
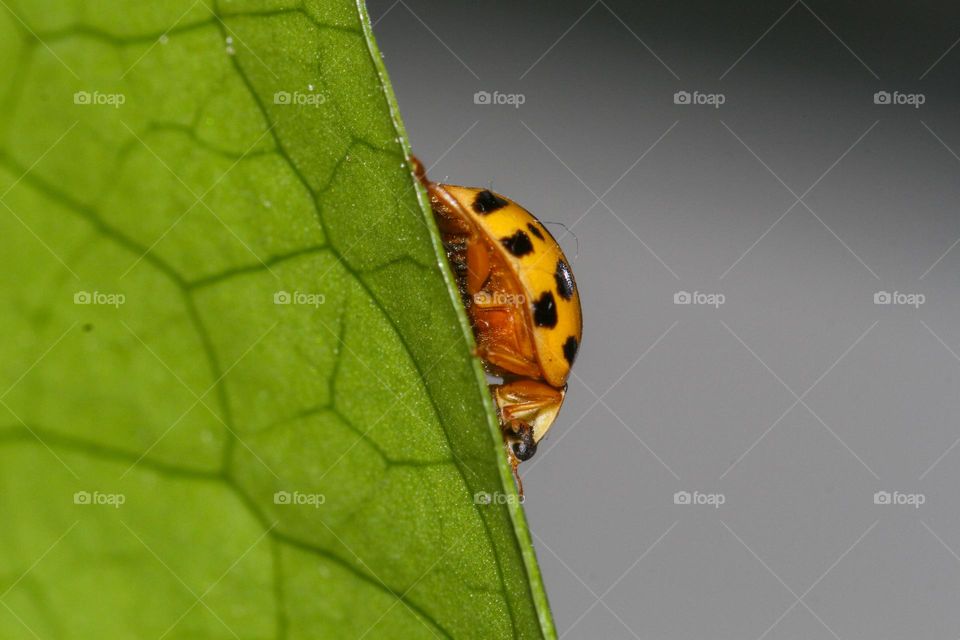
[[509, 341]]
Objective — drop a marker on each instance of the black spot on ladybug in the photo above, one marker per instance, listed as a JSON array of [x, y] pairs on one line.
[[534, 230], [488, 202], [570, 350], [545, 311], [564, 279], [518, 244]]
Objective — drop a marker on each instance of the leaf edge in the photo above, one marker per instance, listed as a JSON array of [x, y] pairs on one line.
[[514, 507]]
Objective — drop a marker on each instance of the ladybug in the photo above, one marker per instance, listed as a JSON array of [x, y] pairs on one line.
[[522, 302]]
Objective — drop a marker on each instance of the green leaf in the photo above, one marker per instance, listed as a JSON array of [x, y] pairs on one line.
[[237, 389]]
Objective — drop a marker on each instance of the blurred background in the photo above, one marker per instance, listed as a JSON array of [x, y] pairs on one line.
[[760, 205]]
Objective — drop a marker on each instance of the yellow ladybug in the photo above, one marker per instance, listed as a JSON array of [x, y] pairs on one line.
[[522, 301]]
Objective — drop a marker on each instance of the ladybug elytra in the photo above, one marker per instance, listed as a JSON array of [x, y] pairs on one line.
[[522, 301]]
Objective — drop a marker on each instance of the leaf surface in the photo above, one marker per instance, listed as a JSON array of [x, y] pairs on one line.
[[237, 392]]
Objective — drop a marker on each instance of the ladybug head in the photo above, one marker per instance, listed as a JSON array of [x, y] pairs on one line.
[[524, 446]]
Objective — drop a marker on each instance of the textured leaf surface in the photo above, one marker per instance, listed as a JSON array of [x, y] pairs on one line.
[[237, 394]]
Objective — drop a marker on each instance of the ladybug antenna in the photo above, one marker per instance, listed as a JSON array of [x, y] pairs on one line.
[[569, 232]]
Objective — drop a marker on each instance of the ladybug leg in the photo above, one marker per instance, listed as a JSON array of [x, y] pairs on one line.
[[508, 359], [511, 411], [514, 463], [502, 337], [527, 403], [478, 265]]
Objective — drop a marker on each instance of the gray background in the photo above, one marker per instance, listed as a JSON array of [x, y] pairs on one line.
[[797, 399]]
